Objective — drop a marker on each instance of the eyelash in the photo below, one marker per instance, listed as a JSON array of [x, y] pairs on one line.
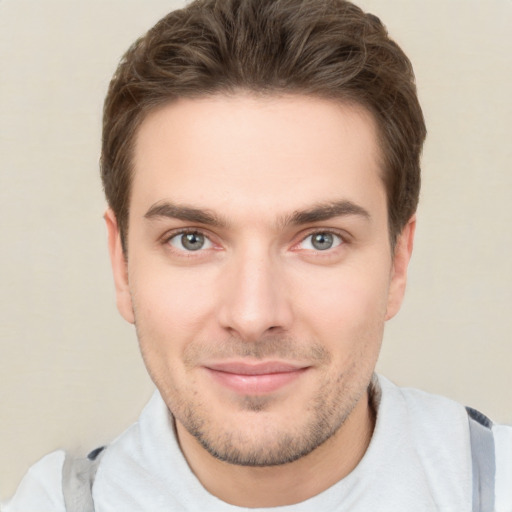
[[188, 231], [342, 236]]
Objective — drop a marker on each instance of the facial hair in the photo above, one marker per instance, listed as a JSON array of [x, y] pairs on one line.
[[268, 445]]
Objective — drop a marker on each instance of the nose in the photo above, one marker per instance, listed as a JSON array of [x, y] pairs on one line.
[[254, 296]]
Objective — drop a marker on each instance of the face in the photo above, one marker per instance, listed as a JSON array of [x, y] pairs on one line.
[[259, 273]]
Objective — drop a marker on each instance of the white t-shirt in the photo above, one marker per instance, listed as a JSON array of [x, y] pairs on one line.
[[418, 460]]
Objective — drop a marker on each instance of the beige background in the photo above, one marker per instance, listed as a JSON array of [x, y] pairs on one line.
[[70, 371]]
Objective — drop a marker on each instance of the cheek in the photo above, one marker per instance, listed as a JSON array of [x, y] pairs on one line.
[[170, 314], [169, 306], [346, 308], [346, 294]]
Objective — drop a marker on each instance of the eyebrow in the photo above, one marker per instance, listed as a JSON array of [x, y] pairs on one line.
[[186, 213], [317, 213], [326, 211]]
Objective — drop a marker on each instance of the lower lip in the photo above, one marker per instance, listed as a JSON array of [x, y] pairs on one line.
[[255, 384]]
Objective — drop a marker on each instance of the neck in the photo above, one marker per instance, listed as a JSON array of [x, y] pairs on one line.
[[286, 484]]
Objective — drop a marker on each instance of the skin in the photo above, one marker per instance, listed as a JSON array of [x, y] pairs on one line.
[[257, 177]]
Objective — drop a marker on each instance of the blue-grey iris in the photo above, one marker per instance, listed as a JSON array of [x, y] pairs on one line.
[[192, 241], [322, 241]]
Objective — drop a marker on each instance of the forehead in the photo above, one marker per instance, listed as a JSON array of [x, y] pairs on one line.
[[265, 154]]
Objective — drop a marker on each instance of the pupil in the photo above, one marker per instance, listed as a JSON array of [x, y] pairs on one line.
[[192, 241], [322, 241]]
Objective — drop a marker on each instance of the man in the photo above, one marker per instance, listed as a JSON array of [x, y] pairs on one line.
[[261, 164]]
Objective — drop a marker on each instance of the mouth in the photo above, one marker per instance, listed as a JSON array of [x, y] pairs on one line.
[[255, 379]]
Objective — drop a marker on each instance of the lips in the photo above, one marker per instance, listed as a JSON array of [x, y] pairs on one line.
[[254, 379]]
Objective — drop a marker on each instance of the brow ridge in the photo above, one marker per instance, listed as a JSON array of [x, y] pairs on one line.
[[326, 211], [317, 213], [167, 209]]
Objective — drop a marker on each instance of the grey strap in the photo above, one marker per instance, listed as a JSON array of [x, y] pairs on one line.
[[483, 461], [77, 479]]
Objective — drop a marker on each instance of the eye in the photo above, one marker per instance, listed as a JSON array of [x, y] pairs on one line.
[[190, 241], [321, 241]]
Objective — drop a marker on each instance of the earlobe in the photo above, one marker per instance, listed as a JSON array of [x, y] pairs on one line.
[[119, 267], [401, 257]]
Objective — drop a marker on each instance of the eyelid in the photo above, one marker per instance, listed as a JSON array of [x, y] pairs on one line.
[[342, 235], [169, 235]]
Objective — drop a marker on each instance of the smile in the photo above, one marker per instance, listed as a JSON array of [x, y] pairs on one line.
[[255, 379]]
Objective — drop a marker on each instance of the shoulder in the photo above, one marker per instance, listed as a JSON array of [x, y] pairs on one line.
[[440, 426], [424, 415], [41, 487], [503, 447]]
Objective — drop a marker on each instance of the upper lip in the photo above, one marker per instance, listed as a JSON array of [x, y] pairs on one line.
[[261, 368]]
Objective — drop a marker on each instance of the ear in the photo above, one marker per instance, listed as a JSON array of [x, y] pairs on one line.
[[119, 268], [401, 257]]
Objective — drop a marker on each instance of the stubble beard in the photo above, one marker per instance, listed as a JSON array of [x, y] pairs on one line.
[[273, 447], [269, 445]]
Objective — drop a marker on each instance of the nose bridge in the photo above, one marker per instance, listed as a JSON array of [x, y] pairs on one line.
[[254, 299]]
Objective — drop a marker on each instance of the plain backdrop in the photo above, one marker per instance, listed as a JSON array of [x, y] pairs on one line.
[[71, 375]]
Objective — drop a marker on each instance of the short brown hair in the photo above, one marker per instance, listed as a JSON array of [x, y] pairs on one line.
[[325, 48]]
